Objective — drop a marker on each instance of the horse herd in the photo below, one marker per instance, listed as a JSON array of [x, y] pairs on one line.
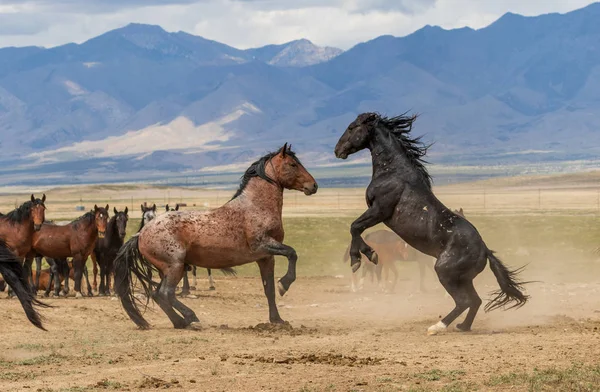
[[249, 228]]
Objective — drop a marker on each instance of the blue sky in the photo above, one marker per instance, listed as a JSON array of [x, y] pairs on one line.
[[251, 23]]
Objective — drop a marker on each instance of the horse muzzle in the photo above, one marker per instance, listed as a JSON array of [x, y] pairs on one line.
[[340, 152], [37, 227], [100, 234], [310, 189]]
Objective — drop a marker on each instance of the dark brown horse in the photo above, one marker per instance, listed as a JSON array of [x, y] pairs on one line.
[[246, 229], [76, 239], [106, 248], [400, 196], [18, 226]]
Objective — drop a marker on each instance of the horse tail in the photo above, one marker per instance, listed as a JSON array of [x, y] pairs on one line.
[[510, 287], [12, 271], [229, 271], [129, 261]]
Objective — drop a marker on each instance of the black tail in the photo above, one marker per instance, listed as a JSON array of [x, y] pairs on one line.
[[510, 287], [129, 261], [12, 271], [229, 271]]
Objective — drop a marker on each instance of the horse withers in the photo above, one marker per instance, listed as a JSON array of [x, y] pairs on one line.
[[401, 197], [248, 228]]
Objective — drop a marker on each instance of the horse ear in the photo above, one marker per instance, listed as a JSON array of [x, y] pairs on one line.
[[44, 198], [107, 208], [167, 208], [126, 210], [283, 150], [32, 198], [289, 148], [142, 206], [115, 210], [95, 208], [176, 207], [154, 207]]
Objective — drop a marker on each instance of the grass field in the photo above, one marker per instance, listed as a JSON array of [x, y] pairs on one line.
[[340, 341]]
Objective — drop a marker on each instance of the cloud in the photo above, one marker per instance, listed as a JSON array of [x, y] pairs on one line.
[[22, 24], [251, 23]]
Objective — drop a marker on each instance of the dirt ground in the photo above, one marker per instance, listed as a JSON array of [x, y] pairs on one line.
[[336, 341]]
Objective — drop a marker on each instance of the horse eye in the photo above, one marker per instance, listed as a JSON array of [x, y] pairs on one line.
[[293, 164]]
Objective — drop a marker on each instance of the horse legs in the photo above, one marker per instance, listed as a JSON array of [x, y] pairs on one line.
[[165, 298], [87, 280], [38, 271], [460, 288], [392, 267], [267, 274], [95, 272], [211, 282], [78, 266], [185, 290], [276, 248], [194, 278], [54, 277], [369, 218], [475, 303], [28, 274]]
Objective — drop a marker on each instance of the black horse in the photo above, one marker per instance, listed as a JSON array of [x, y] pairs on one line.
[[11, 269], [400, 196], [106, 249]]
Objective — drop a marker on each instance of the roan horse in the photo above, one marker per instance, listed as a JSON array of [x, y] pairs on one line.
[[106, 248], [76, 239], [185, 290], [247, 228], [400, 196]]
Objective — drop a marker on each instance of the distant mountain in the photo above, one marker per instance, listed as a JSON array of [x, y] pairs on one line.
[[139, 102]]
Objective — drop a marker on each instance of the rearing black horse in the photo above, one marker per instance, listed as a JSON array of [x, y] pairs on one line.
[[400, 196]]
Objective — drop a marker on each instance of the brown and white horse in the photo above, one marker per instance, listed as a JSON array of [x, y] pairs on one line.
[[246, 229]]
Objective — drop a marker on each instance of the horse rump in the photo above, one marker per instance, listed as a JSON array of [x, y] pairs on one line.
[[12, 271], [511, 288], [129, 262]]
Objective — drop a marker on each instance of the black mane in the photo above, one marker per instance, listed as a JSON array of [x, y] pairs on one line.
[[399, 128], [257, 169], [19, 214]]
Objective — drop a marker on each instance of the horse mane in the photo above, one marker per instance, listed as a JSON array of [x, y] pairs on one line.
[[257, 169], [86, 218], [399, 128], [19, 214]]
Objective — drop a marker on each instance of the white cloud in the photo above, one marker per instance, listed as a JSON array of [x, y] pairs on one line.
[[251, 23]]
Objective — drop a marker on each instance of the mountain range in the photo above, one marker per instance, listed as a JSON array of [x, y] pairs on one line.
[[139, 102]]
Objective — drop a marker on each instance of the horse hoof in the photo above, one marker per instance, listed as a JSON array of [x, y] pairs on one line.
[[212, 288], [436, 328], [192, 287], [78, 295], [191, 296], [355, 266], [277, 321], [195, 326], [463, 328], [281, 289]]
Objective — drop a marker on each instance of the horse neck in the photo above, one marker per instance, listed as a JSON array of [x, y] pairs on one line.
[[112, 232], [389, 157], [264, 195], [88, 226]]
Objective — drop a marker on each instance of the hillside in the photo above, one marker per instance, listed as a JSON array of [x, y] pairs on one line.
[[139, 101]]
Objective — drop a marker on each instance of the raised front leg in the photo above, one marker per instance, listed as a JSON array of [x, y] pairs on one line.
[[369, 218], [275, 248], [267, 274]]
